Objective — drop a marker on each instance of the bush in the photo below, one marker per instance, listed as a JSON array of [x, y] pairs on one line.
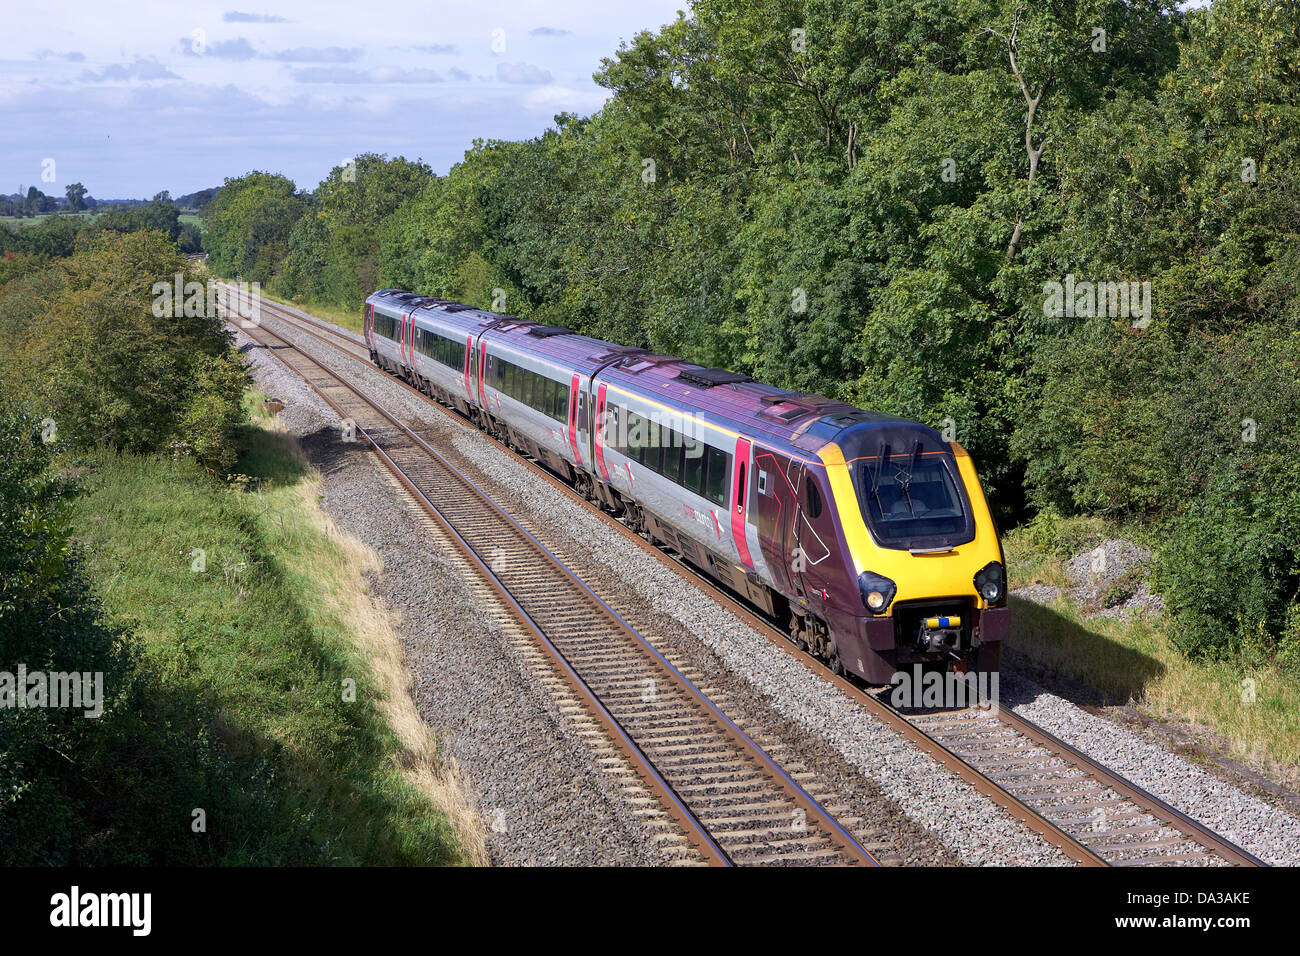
[[84, 348]]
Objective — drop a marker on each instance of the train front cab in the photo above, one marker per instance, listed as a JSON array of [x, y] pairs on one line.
[[927, 566]]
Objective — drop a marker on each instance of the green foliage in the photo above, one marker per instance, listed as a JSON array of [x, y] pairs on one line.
[[247, 225], [334, 249], [85, 348]]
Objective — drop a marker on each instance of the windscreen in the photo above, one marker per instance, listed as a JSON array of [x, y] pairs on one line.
[[912, 499]]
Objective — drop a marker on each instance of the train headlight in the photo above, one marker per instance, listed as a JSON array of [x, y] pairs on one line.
[[991, 583], [877, 591]]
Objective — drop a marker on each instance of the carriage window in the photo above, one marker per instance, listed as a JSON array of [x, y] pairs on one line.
[[635, 435], [693, 466], [740, 487], [672, 456], [560, 410], [715, 482]]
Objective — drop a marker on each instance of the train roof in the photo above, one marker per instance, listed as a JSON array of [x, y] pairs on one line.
[[730, 399]]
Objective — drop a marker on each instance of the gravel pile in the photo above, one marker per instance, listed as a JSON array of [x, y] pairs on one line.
[[542, 798], [1111, 580], [1269, 833]]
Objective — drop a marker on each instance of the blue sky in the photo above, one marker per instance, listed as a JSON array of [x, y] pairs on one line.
[[152, 94]]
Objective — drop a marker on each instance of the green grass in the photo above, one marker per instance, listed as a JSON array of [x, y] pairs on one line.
[[1135, 660], [191, 219], [262, 640], [26, 221], [348, 318]]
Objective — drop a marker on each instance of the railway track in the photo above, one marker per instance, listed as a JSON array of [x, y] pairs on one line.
[[732, 800], [1093, 814]]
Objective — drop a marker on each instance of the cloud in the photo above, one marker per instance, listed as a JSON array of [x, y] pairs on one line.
[[456, 73], [236, 49], [306, 54], [72, 56], [234, 16], [437, 48], [522, 73], [383, 74], [240, 49], [552, 99], [138, 70], [549, 32]]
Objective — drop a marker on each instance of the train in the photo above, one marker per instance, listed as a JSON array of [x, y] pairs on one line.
[[866, 535]]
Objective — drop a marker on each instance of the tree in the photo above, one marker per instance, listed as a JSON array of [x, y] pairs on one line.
[[247, 224], [76, 197]]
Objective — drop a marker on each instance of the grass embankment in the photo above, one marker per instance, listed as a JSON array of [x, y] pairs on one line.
[[347, 318], [1134, 660], [264, 639]]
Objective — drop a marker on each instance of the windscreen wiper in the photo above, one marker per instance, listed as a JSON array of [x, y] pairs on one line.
[[905, 478], [875, 478]]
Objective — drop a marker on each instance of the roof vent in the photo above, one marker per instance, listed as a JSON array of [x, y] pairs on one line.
[[546, 331], [709, 377]]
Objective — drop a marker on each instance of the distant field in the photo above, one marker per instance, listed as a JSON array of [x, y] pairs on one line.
[[33, 220], [192, 219]]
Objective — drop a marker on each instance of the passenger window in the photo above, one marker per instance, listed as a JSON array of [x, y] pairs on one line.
[[813, 497], [716, 476], [561, 413], [635, 435], [693, 466], [672, 456], [650, 452], [582, 411]]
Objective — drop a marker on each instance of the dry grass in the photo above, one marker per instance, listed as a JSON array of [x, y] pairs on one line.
[[340, 572]]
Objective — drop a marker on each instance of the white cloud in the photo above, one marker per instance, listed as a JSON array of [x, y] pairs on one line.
[[552, 99], [137, 70], [382, 74], [234, 16], [522, 73]]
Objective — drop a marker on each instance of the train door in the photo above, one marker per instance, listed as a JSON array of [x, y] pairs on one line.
[[740, 482], [599, 432], [577, 412], [773, 509], [812, 535], [469, 365], [482, 370]]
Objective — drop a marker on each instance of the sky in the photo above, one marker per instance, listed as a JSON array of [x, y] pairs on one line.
[[136, 97]]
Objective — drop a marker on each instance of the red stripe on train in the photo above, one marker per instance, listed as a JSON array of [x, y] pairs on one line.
[[739, 489], [482, 371], [469, 357], [573, 420], [600, 432]]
